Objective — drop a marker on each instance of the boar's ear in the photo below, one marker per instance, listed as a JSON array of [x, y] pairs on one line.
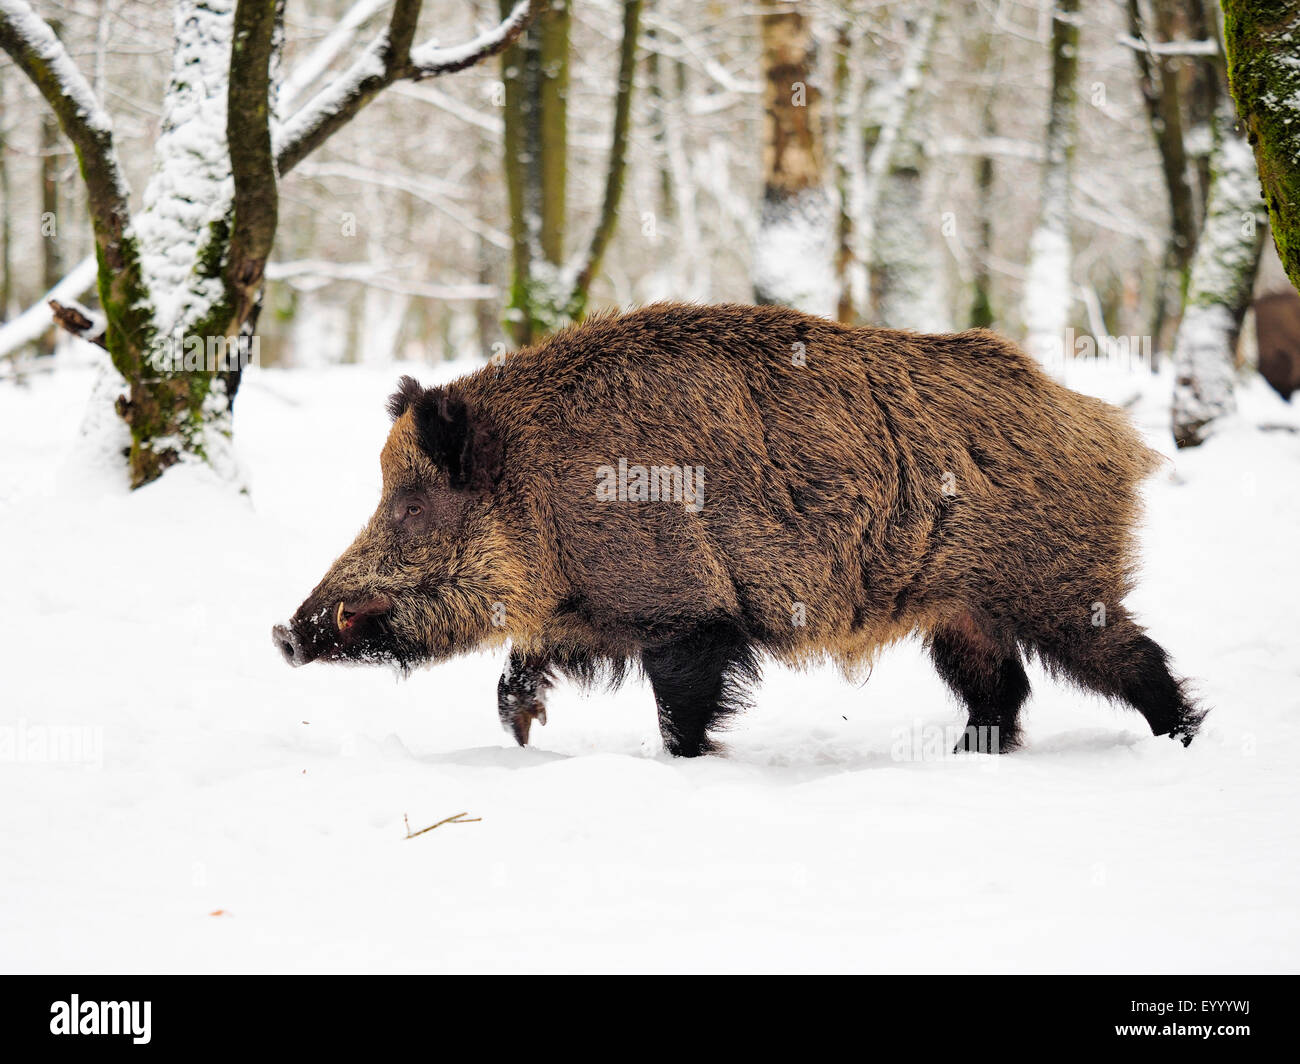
[[408, 391], [459, 439]]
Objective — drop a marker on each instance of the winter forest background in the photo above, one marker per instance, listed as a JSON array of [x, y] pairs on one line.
[[348, 190], [927, 166]]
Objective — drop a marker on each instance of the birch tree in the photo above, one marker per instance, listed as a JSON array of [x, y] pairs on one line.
[[906, 277], [793, 255], [1048, 285], [1219, 287], [871, 122], [179, 281]]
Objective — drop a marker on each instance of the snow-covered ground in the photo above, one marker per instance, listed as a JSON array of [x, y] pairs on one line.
[[229, 814]]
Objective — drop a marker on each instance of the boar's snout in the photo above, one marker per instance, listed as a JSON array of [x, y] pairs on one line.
[[291, 649], [328, 632]]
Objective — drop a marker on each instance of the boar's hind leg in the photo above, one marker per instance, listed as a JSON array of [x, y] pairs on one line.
[[985, 672], [699, 680], [521, 693], [1117, 659]]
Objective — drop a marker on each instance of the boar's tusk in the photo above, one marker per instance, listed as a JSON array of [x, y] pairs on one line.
[[339, 622]]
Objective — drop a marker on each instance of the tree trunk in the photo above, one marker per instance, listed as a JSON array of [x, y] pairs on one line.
[[659, 104], [872, 124], [846, 83], [545, 293], [1159, 83], [6, 270], [535, 72], [1048, 285], [907, 282], [51, 223], [981, 310], [795, 245], [1203, 86], [1260, 40], [1219, 288], [180, 284]]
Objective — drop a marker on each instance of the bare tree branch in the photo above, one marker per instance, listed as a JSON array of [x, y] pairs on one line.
[[389, 58], [1170, 48], [339, 102], [39, 53], [76, 319], [431, 61]]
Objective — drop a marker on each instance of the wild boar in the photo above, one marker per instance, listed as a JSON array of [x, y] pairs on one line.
[[690, 488]]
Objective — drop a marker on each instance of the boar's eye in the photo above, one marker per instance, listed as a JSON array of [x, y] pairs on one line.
[[425, 510]]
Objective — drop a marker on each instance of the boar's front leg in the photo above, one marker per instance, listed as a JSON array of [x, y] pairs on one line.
[[521, 693], [699, 680]]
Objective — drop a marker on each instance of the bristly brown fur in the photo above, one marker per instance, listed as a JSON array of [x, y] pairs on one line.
[[859, 485]]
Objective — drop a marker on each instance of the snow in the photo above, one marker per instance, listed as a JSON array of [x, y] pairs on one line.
[[214, 779]]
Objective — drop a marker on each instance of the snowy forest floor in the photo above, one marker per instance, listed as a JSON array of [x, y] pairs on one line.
[[240, 816]]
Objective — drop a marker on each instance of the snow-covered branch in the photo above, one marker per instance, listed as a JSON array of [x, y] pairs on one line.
[[334, 43], [1170, 48], [39, 53], [430, 61], [33, 322], [390, 58]]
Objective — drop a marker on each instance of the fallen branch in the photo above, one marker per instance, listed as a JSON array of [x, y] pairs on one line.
[[459, 818]]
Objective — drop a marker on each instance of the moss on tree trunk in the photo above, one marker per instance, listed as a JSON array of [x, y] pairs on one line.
[[1261, 38]]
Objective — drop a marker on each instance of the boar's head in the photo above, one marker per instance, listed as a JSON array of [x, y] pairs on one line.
[[420, 582]]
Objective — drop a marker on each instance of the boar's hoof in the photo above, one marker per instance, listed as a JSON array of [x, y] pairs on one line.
[[988, 739], [517, 718], [521, 693]]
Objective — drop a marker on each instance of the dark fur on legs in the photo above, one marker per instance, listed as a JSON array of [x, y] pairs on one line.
[[985, 672], [699, 680], [1122, 662]]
